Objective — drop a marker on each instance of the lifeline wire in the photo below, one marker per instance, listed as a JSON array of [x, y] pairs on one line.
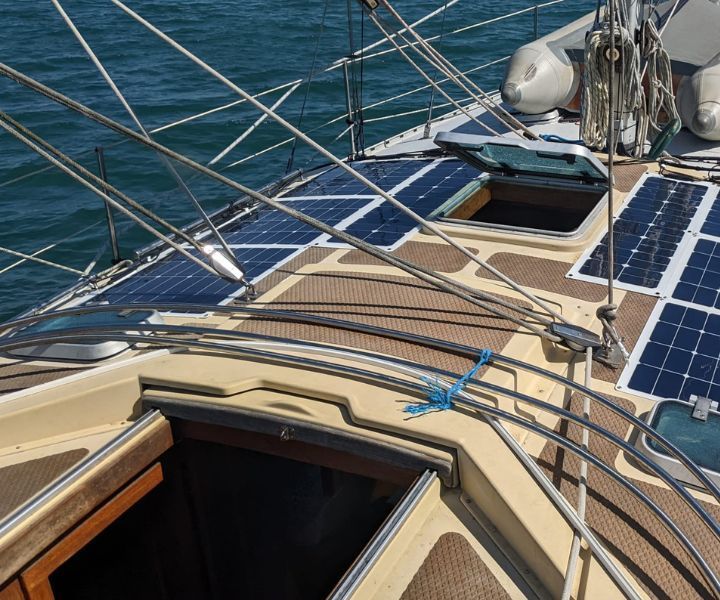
[[347, 168], [55, 161], [419, 69], [453, 72], [168, 165], [416, 270]]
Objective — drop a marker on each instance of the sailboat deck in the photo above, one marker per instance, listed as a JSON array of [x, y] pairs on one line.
[[648, 551], [347, 284]]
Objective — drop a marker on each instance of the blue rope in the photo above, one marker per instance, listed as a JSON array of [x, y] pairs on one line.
[[440, 399], [550, 137]]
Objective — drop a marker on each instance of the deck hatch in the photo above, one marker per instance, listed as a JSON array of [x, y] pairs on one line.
[[504, 156]]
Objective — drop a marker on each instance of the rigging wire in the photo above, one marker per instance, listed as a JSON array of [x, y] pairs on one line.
[[376, 21], [431, 101], [327, 154], [309, 78], [99, 181], [455, 74], [41, 261], [324, 69], [437, 280], [360, 137], [168, 165], [58, 162]]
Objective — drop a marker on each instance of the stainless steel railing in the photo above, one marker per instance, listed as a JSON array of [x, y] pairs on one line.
[[673, 528]]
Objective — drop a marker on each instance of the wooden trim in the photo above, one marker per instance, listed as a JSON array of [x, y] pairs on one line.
[[12, 591], [36, 579], [473, 204], [27, 543]]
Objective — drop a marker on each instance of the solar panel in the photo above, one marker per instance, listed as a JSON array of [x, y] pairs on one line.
[[648, 234], [386, 225], [711, 226], [678, 355], [700, 280], [270, 237], [176, 279], [275, 227], [678, 351]]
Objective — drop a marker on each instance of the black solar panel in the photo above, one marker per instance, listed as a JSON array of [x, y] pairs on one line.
[[647, 232], [176, 279], [680, 357]]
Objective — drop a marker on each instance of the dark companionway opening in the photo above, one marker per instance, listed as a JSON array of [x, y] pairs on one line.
[[229, 522]]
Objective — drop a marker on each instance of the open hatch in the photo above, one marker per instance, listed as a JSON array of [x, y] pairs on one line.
[[251, 506], [530, 186]]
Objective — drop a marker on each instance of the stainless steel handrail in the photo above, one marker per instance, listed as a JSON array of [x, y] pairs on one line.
[[665, 520], [42, 498], [467, 351], [96, 332]]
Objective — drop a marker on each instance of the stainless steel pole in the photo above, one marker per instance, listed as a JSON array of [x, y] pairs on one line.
[[108, 209], [350, 115]]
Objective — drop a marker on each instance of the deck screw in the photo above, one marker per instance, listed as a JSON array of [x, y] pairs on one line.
[[287, 433]]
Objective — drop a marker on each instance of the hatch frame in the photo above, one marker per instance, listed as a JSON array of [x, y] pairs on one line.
[[468, 146]]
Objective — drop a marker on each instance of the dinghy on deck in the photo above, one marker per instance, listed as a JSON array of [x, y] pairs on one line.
[[546, 73]]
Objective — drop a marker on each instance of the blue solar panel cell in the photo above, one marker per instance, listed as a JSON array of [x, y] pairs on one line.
[[386, 225], [712, 221], [681, 357], [177, 280], [647, 233], [275, 227], [700, 280], [277, 235]]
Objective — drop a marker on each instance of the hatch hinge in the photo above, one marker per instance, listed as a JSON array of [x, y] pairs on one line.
[[702, 407]]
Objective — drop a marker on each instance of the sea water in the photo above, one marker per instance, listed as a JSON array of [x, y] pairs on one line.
[[256, 43]]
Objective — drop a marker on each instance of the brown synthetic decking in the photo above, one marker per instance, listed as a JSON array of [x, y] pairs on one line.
[[454, 571], [632, 316], [438, 257], [78, 500], [543, 274], [310, 256], [628, 530], [626, 176], [20, 482], [22, 375], [400, 303]]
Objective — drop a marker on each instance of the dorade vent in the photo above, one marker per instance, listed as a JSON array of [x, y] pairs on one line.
[[83, 350]]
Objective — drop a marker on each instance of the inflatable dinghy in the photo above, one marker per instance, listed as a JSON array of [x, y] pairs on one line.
[[546, 74]]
